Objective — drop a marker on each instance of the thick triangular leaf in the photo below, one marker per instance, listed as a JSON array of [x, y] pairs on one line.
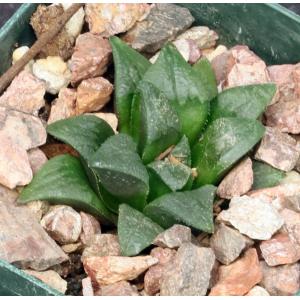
[[166, 177], [84, 133], [135, 231], [192, 208], [172, 75], [129, 66], [206, 76], [247, 101], [121, 172], [155, 124], [182, 152], [224, 142], [62, 180], [265, 175]]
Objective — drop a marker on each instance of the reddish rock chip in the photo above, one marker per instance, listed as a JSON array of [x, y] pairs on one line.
[[25, 93], [278, 150], [281, 280], [238, 278], [153, 276], [107, 19], [102, 245], [51, 278], [280, 250], [90, 227], [91, 56], [64, 106], [238, 181], [111, 269], [63, 224], [240, 66], [121, 288], [93, 94], [24, 242], [173, 237]]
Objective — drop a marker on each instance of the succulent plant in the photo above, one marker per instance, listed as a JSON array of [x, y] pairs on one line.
[[178, 138]]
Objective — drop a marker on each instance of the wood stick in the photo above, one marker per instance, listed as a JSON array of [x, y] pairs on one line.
[[36, 48]]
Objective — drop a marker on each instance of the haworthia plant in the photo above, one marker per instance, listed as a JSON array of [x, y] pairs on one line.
[[184, 88], [160, 169], [130, 66]]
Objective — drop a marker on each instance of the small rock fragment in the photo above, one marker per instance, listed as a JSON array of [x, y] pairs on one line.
[[24, 242], [110, 118], [93, 94], [24, 130], [238, 181], [284, 115], [102, 245], [248, 68], [37, 159], [228, 244], [111, 269], [173, 237], [63, 224], [25, 94], [153, 276], [189, 273], [278, 149], [38, 208], [87, 287], [286, 78], [90, 227], [187, 48], [281, 280], [218, 51], [51, 278], [54, 72], [75, 24], [257, 291], [291, 224], [280, 250], [91, 56], [107, 19], [8, 195], [64, 106], [164, 22], [253, 217], [121, 288], [42, 19], [70, 248], [18, 53], [240, 277], [15, 168], [240, 66], [202, 35]]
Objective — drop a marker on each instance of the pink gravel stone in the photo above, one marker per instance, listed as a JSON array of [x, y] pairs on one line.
[[238, 181], [26, 94], [91, 56]]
